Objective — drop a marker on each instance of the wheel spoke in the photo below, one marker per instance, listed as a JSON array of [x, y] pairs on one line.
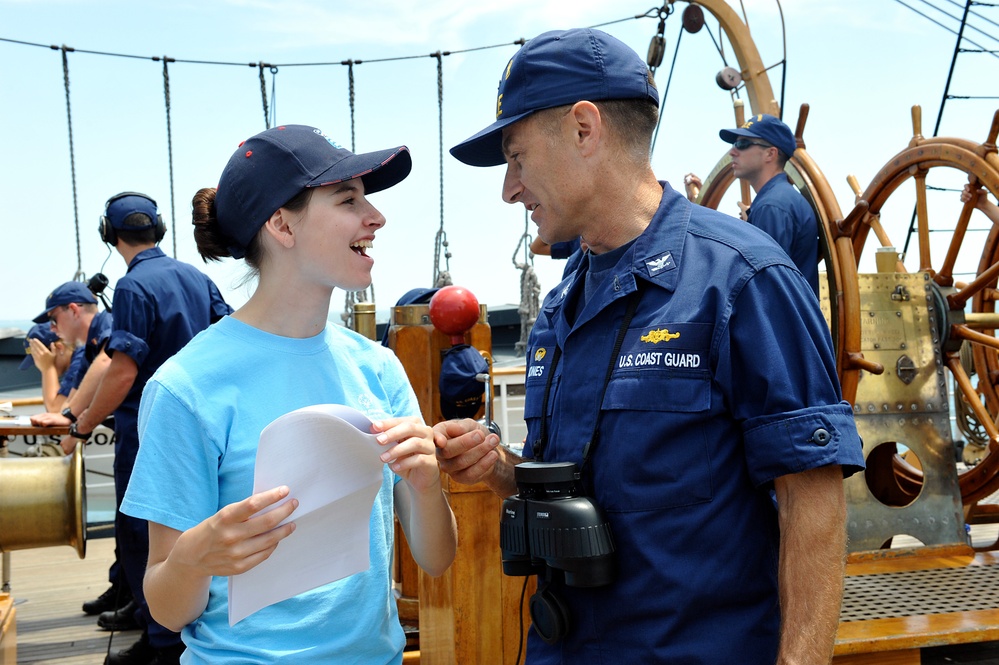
[[966, 333], [923, 221], [945, 277], [964, 383], [959, 299]]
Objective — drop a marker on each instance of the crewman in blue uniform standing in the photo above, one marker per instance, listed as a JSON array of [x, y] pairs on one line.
[[159, 305], [72, 313], [684, 367], [760, 149]]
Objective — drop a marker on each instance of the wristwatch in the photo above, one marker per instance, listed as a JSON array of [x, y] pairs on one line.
[[77, 434], [68, 413]]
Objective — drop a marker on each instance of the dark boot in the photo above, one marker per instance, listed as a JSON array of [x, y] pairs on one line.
[[107, 601], [169, 655], [119, 620], [140, 653]]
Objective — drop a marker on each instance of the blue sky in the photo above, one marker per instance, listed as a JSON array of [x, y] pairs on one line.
[[860, 64]]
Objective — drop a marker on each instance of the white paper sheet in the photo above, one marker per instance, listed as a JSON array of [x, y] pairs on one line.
[[327, 457]]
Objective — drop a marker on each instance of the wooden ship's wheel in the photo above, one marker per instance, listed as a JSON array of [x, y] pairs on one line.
[[810, 181], [967, 341], [958, 331]]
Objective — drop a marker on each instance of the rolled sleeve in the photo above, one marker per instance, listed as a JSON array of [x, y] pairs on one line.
[[134, 314], [802, 440], [780, 370], [132, 346]]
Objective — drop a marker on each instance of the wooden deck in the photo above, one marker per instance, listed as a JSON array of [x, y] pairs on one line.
[[49, 585]]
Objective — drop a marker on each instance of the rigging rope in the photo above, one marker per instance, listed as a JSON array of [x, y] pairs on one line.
[[669, 79], [350, 87], [955, 32], [72, 162], [943, 103], [530, 290], [441, 277], [263, 94], [166, 97], [783, 62], [351, 298], [274, 71], [969, 13], [518, 42]]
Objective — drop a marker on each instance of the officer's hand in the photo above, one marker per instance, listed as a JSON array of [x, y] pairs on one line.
[[466, 450]]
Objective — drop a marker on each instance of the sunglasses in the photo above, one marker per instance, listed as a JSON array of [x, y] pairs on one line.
[[54, 313], [744, 144]]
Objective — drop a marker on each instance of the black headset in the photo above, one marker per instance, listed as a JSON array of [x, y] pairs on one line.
[[110, 235]]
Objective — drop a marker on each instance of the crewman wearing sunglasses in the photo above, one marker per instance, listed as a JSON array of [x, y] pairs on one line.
[[760, 149]]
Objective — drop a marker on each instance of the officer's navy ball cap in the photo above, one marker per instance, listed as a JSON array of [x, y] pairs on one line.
[[271, 168], [64, 294], [766, 127], [554, 69], [43, 333], [461, 393]]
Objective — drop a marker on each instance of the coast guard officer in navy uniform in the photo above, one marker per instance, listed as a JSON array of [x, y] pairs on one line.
[[158, 306], [684, 367]]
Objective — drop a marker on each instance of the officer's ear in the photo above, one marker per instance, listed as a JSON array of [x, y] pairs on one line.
[[588, 127]]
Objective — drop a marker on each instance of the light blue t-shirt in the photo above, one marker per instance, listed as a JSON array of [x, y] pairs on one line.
[[199, 423]]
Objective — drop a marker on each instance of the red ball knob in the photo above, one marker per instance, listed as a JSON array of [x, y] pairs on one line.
[[453, 310]]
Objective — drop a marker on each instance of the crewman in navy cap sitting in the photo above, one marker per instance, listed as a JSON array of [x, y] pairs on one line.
[[57, 362], [72, 315]]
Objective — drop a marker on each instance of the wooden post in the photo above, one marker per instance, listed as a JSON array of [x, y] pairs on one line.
[[8, 630], [471, 613]]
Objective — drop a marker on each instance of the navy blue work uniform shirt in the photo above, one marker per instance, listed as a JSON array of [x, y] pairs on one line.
[[782, 211], [98, 334], [159, 305], [74, 373], [570, 250], [726, 380]]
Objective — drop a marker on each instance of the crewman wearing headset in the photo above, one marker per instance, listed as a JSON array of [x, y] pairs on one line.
[[158, 306]]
